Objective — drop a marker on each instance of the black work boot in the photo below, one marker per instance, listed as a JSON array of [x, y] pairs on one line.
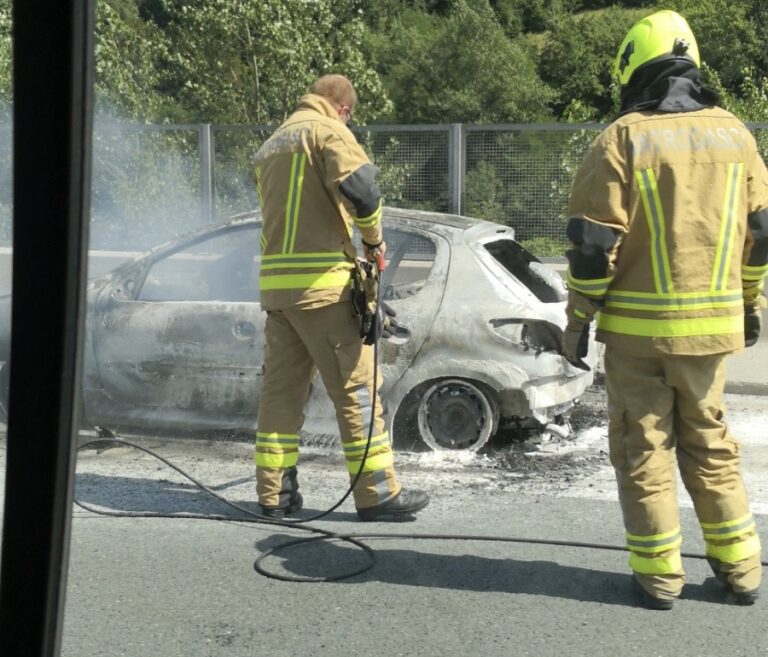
[[740, 598], [404, 503], [280, 511], [650, 601], [291, 500]]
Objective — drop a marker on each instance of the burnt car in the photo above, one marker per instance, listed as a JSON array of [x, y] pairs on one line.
[[175, 337]]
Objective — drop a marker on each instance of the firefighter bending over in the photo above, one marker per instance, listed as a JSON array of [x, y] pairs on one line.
[[314, 183], [669, 231]]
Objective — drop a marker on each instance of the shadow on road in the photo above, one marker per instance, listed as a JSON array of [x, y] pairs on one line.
[[161, 497], [466, 572]]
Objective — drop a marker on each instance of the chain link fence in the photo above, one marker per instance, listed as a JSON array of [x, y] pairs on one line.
[[154, 182]]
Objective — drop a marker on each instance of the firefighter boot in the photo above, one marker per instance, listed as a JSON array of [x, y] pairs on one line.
[[291, 500], [650, 601], [741, 598], [405, 503]]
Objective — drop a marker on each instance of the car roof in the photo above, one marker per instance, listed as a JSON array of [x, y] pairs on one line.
[[439, 222]]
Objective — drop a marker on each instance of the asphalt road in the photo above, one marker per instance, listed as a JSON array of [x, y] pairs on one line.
[[187, 588]]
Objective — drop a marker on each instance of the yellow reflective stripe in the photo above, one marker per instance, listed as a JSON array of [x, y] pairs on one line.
[[670, 328], [306, 281], [735, 551], [727, 226], [377, 462], [580, 313], [305, 256], [754, 272], [654, 542], [284, 460], [279, 436], [677, 301], [312, 264], [656, 565], [371, 220], [591, 287], [358, 447], [316, 260], [293, 202], [735, 527], [276, 443], [655, 217]]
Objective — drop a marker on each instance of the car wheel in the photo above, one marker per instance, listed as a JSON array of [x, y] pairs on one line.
[[5, 385], [455, 414]]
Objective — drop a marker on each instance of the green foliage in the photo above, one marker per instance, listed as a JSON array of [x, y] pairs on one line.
[[545, 247], [460, 68], [127, 53], [730, 40], [577, 60], [249, 62], [5, 52]]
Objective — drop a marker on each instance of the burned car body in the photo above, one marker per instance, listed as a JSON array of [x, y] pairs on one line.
[[174, 338]]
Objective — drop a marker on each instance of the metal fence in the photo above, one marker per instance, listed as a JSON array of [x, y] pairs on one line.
[[153, 182]]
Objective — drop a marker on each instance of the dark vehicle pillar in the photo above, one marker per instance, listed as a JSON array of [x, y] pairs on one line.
[[52, 78]]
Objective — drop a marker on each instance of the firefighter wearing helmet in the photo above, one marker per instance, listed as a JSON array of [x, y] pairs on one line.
[[668, 223]]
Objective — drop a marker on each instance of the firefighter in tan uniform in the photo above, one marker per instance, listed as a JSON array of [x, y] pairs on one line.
[[314, 183], [668, 220]]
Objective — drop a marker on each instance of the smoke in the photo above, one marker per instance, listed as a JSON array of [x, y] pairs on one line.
[[145, 185]]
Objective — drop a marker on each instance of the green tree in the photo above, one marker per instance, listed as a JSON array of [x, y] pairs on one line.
[[5, 52], [248, 62], [127, 53], [458, 68], [730, 38], [577, 60]]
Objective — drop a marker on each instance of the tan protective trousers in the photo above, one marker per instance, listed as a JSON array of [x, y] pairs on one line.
[[666, 411], [326, 339]]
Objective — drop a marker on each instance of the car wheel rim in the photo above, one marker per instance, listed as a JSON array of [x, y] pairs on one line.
[[455, 415]]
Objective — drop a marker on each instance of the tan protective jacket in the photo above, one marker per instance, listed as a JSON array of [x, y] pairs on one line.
[[677, 189], [307, 221]]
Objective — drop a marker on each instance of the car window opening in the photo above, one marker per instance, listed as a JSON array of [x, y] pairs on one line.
[[542, 281], [409, 261], [224, 268]]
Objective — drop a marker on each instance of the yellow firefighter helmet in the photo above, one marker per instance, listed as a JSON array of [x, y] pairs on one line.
[[663, 35]]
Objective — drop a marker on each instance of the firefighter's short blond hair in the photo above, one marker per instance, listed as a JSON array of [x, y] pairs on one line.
[[336, 88]]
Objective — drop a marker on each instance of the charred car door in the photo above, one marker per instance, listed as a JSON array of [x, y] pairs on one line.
[[178, 338], [413, 284]]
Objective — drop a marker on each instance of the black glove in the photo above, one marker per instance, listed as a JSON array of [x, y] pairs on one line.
[[385, 326], [576, 344], [752, 325]]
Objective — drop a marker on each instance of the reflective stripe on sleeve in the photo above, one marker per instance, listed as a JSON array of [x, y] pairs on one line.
[[371, 220], [595, 287], [753, 273]]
